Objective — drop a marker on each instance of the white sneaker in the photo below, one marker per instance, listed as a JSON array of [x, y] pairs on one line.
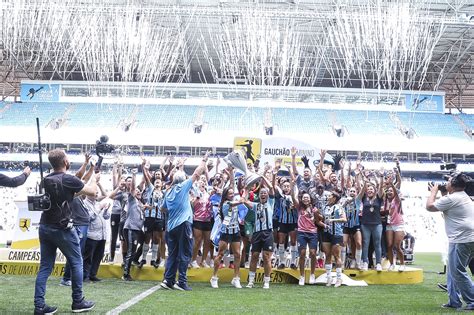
[[353, 264], [378, 267], [250, 285], [391, 268], [236, 283], [401, 268], [205, 265], [194, 264], [338, 282], [312, 279], [365, 266], [162, 263], [214, 282], [329, 281], [247, 265], [266, 285], [301, 282], [211, 263]]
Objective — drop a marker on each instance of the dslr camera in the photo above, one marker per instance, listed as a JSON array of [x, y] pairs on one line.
[[442, 187]]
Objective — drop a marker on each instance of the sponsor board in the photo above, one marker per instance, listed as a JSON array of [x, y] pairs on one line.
[[25, 235]]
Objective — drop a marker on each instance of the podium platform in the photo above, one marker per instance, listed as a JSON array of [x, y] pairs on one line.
[[409, 276]]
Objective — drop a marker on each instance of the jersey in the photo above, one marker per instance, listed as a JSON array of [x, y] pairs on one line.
[[230, 223], [263, 215], [331, 213], [288, 212], [352, 213]]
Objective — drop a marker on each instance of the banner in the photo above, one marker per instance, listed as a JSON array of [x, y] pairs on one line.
[[26, 227], [39, 92], [274, 148], [425, 103]]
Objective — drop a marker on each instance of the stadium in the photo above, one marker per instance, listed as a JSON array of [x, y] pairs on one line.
[[386, 88]]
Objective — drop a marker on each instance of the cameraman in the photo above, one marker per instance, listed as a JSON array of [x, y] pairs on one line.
[[56, 231], [19, 180], [458, 212]]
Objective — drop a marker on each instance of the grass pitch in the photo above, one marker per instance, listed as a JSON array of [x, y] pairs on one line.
[[16, 296]]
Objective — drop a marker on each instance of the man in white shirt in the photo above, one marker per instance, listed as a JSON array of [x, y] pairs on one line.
[[458, 212]]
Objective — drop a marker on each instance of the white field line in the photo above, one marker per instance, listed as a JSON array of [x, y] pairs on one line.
[[132, 301]]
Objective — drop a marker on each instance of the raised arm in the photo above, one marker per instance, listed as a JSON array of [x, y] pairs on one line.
[[83, 167], [271, 189], [294, 196], [293, 161], [320, 166], [380, 191], [198, 171], [89, 173], [15, 181], [90, 188]]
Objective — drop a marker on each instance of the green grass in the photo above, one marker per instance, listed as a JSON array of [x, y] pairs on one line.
[[16, 295]]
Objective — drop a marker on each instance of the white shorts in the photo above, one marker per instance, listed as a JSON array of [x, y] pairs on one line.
[[396, 228]]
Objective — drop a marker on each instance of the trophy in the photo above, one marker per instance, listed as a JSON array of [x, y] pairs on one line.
[[237, 160]]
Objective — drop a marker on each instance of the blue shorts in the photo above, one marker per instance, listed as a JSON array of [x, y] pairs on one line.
[[305, 238]]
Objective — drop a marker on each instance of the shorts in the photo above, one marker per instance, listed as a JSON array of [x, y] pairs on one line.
[[286, 227], [307, 239], [230, 238], [202, 226], [262, 240], [333, 239], [242, 230], [396, 228], [352, 230], [275, 224], [122, 237], [153, 225]]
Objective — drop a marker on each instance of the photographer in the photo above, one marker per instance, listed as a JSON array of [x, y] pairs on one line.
[[19, 180], [458, 212], [56, 231]]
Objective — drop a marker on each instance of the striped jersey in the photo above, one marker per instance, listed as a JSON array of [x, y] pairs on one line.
[[154, 198], [288, 212], [263, 215], [352, 209], [230, 223], [331, 213]]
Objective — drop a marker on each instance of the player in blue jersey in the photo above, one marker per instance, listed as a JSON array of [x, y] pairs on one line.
[[352, 233], [230, 234], [287, 224], [262, 237]]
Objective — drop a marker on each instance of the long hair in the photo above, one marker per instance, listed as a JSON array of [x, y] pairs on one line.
[[223, 200]]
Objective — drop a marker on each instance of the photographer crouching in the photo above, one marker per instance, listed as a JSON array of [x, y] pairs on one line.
[[458, 212], [56, 230]]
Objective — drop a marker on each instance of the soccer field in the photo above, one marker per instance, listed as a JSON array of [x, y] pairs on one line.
[[16, 296]]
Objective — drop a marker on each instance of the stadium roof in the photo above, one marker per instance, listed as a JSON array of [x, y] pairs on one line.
[[404, 44]]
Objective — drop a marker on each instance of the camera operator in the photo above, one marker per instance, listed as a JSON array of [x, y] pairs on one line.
[[56, 231], [458, 212], [16, 181]]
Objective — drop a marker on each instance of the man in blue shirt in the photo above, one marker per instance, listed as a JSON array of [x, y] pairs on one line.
[[179, 235]]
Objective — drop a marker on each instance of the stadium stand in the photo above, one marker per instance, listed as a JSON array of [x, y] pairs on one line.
[[227, 118]]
